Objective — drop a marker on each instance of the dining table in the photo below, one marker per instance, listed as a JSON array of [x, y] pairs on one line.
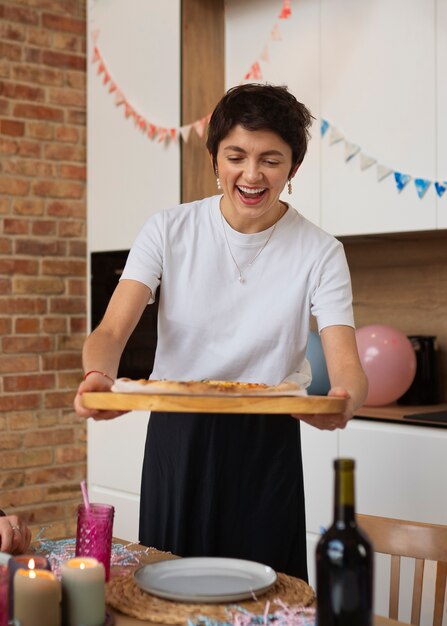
[[151, 556], [144, 556]]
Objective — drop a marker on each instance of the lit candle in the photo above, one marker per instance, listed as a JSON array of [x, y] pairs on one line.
[[37, 594], [83, 592], [22, 561]]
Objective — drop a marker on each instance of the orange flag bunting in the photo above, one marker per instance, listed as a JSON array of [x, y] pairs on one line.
[[286, 11], [162, 134], [183, 132], [96, 55], [254, 72]]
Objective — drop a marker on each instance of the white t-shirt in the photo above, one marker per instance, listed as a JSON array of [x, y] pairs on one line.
[[212, 326]]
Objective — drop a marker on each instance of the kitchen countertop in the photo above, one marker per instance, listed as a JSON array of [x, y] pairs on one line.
[[428, 415]]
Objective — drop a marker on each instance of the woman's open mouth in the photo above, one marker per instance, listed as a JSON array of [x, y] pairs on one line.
[[251, 193]]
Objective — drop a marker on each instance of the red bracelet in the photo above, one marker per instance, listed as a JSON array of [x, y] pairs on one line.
[[98, 372]]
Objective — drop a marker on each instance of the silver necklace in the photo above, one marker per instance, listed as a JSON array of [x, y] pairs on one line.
[[241, 270]]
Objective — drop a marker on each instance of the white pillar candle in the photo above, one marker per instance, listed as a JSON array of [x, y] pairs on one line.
[[37, 595], [83, 592]]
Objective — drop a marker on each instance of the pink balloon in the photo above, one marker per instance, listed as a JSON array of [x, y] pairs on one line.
[[389, 362]]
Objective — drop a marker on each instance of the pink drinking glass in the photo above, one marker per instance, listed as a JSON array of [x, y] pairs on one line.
[[94, 533], [4, 583]]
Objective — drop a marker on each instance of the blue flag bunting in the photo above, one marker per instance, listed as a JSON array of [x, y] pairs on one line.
[[401, 180], [440, 188], [324, 126], [421, 184]]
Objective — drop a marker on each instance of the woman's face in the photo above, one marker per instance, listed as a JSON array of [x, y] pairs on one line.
[[253, 167]]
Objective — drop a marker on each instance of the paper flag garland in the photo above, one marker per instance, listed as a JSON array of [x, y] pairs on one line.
[[254, 73], [286, 11], [335, 135], [401, 180], [382, 172], [324, 125], [421, 185], [351, 150], [366, 161], [162, 133], [440, 188]]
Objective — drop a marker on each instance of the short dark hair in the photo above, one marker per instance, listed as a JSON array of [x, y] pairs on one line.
[[261, 107]]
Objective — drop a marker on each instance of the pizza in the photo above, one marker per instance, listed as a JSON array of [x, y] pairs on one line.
[[203, 387]]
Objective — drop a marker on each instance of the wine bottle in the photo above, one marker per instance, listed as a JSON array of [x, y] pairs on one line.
[[344, 560]]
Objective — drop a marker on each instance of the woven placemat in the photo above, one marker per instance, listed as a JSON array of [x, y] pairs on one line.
[[124, 595]]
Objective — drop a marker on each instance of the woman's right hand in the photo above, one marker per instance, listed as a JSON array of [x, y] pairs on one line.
[[94, 382]]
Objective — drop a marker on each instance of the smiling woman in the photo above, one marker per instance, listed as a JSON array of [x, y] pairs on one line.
[[239, 274], [253, 168]]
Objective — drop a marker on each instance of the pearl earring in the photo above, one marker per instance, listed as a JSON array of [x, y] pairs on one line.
[[216, 173], [289, 186]]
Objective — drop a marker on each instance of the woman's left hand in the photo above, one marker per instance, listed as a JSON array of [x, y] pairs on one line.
[[329, 421], [15, 536]]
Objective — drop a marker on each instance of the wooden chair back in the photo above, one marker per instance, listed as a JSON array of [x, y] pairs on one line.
[[422, 542]]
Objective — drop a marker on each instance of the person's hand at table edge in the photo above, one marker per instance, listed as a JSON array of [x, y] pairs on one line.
[[15, 536]]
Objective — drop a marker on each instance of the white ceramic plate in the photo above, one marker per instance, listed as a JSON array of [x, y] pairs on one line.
[[205, 579]]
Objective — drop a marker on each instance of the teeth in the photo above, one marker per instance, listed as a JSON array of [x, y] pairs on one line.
[[249, 190]]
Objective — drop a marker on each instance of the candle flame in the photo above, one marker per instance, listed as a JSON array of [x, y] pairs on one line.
[[82, 566], [31, 564]]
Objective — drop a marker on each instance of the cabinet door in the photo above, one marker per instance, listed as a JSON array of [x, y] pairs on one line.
[[131, 176], [400, 473], [401, 469], [378, 90], [319, 449], [115, 457], [291, 60]]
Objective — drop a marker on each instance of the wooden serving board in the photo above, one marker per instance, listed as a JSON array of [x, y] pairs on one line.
[[212, 404]]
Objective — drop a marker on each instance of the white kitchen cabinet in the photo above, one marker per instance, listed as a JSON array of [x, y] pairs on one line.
[[115, 456], [375, 71], [129, 178], [400, 473], [401, 469], [319, 449], [378, 87]]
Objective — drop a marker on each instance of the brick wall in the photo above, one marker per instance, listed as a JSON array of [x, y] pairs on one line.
[[42, 258]]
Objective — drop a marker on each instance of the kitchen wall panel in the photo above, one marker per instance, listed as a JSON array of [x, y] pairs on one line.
[[401, 280]]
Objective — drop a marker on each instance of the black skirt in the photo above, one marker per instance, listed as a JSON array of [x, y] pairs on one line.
[[225, 485]]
